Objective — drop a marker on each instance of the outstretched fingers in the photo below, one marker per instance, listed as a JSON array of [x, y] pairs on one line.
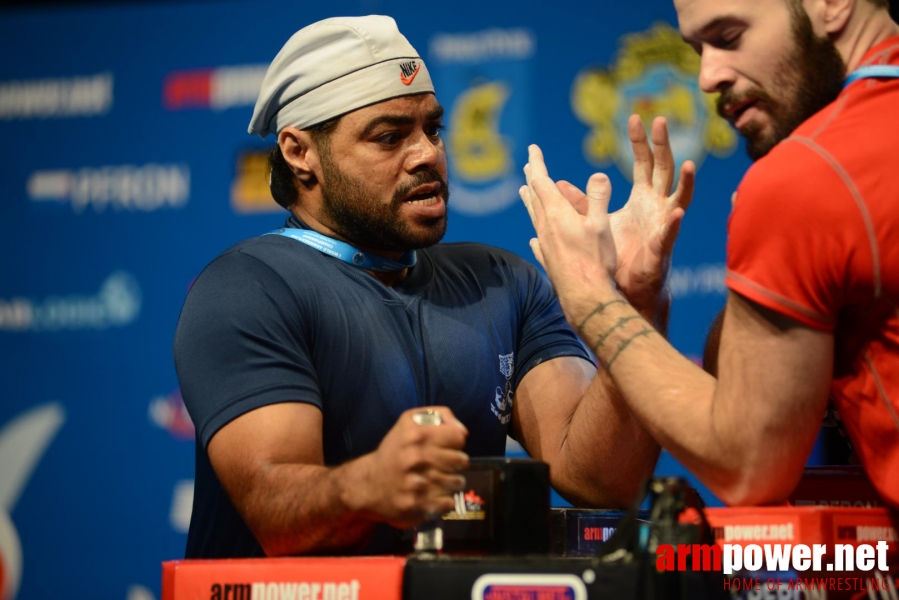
[[680, 202], [670, 231], [683, 195], [534, 243], [544, 197], [574, 195], [543, 189], [643, 159], [524, 192], [599, 193], [663, 173]]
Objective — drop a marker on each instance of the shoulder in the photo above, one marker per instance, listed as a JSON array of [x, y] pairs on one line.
[[472, 254], [499, 274], [796, 178], [272, 260], [251, 281]]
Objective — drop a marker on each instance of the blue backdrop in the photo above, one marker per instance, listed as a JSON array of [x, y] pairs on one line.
[[125, 167]]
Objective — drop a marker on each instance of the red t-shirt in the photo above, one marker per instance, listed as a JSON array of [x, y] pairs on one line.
[[814, 235]]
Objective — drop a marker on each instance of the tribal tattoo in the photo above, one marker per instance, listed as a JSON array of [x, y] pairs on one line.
[[625, 343], [597, 311], [622, 321], [603, 337]]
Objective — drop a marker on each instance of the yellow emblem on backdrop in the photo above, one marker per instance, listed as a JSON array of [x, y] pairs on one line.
[[654, 74], [479, 152], [249, 190]]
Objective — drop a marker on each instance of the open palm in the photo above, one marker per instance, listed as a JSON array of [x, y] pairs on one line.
[[645, 228]]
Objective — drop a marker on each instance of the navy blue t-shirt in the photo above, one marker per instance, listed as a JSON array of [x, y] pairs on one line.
[[272, 320]]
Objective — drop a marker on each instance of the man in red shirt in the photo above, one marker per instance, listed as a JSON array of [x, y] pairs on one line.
[[813, 253]]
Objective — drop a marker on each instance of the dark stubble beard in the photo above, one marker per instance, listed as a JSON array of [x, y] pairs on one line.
[[809, 79], [359, 216]]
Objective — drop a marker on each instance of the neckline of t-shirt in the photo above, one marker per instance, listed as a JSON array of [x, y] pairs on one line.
[[883, 49], [413, 285]]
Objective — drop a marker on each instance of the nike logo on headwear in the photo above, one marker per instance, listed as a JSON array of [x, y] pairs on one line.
[[408, 72]]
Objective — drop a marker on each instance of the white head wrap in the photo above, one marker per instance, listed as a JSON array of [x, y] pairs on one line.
[[336, 66]]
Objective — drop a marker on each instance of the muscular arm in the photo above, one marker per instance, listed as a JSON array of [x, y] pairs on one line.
[[270, 462], [745, 435], [569, 415], [748, 434], [565, 412], [279, 484]]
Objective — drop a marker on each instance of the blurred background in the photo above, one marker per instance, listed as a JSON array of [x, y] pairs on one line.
[[126, 167]]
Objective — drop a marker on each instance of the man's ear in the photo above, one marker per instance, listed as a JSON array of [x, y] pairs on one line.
[[835, 15], [301, 154]]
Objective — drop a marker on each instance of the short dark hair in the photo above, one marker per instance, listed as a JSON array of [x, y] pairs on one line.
[[282, 181]]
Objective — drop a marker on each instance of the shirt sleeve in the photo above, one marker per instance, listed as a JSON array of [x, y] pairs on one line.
[[796, 236], [236, 347], [545, 332]]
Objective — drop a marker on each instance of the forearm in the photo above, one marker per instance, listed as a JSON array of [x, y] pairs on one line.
[[655, 309], [673, 398], [309, 509], [607, 452]]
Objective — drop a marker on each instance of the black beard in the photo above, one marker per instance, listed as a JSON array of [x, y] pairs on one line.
[[811, 77], [355, 215]]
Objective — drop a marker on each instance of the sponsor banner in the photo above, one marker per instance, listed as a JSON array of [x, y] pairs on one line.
[[57, 98], [182, 505], [697, 280], [169, 413], [23, 442], [793, 586], [808, 549], [10, 557], [586, 531], [468, 507], [118, 188], [795, 524], [862, 529], [772, 557], [654, 74], [116, 304], [484, 80], [250, 193], [216, 89], [844, 485], [358, 578], [500, 586]]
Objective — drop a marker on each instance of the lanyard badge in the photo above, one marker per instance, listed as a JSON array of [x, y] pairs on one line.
[[346, 252]]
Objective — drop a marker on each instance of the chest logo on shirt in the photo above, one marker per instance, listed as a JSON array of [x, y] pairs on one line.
[[502, 399]]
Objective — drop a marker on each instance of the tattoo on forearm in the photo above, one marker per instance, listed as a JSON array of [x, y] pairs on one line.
[[624, 344], [603, 337], [597, 311]]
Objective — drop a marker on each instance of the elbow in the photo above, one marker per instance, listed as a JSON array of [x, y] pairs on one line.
[[603, 490], [624, 493], [271, 548], [754, 487], [749, 496], [273, 544]]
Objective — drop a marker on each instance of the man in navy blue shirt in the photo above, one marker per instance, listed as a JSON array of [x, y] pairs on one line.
[[304, 356]]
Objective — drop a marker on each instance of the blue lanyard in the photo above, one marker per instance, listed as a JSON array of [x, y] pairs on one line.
[[888, 71], [345, 252]]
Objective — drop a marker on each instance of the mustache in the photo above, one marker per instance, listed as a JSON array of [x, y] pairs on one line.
[[421, 178], [728, 98]]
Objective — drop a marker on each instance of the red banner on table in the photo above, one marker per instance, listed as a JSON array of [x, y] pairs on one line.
[[356, 578], [801, 525]]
